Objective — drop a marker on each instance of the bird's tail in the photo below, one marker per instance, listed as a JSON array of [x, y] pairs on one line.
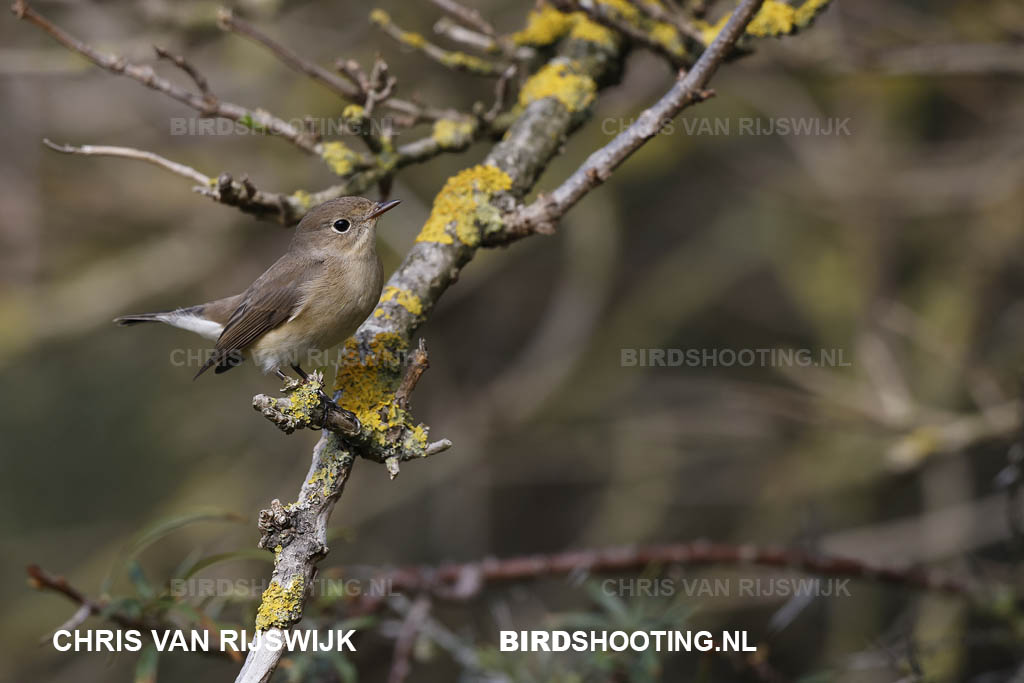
[[141, 318]]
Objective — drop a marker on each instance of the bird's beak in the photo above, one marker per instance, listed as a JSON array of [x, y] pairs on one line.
[[381, 207]]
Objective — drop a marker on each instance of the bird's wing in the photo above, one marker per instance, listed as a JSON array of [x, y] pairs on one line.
[[276, 296]]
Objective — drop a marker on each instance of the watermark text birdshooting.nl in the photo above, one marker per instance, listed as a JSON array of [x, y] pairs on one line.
[[319, 126], [712, 357]]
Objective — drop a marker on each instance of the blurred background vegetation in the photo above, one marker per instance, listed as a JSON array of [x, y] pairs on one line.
[[898, 244]]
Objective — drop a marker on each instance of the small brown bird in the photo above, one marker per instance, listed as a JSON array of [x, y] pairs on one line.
[[313, 297]]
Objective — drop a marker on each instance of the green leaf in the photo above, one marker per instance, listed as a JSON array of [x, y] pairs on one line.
[[613, 605], [346, 669], [158, 530], [243, 554], [142, 586], [145, 669]]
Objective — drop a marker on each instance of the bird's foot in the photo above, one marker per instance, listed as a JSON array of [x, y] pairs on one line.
[[337, 417]]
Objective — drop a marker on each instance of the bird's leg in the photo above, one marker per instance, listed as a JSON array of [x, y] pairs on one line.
[[330, 403], [289, 382]]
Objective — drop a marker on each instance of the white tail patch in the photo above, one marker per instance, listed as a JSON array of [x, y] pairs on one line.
[[192, 322]]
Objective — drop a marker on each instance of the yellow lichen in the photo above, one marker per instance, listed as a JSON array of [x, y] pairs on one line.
[[324, 478], [544, 26], [559, 80], [461, 60], [340, 157], [774, 19], [353, 112], [304, 199], [280, 607], [667, 36], [806, 12], [382, 19], [585, 29], [367, 382], [403, 298], [547, 25], [451, 133], [303, 400], [463, 204], [624, 9]]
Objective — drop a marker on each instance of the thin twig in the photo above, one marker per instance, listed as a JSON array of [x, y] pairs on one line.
[[132, 153], [417, 365], [501, 94], [463, 581], [227, 20], [457, 33], [467, 15], [241, 194], [198, 78], [145, 75], [353, 84]]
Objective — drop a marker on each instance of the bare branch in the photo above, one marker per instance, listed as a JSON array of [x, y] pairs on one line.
[[286, 209], [193, 73], [132, 153], [352, 84], [227, 20], [256, 118], [464, 581], [457, 33], [467, 15]]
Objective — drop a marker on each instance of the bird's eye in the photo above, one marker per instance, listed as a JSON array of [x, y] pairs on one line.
[[341, 225]]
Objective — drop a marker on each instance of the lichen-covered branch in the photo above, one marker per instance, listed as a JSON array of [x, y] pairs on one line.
[[660, 36], [459, 61], [544, 213], [297, 534]]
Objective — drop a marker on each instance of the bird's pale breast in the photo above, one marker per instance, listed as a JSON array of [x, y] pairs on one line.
[[333, 307]]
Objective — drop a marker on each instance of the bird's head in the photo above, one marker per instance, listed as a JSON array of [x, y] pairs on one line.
[[343, 226]]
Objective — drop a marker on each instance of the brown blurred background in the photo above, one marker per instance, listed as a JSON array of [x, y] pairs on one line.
[[898, 244]]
